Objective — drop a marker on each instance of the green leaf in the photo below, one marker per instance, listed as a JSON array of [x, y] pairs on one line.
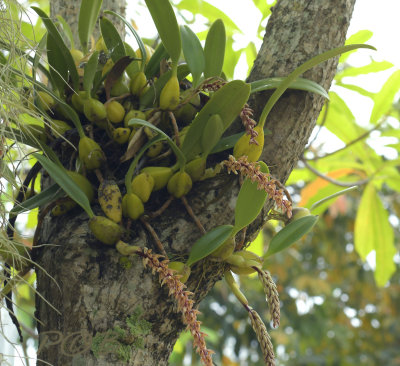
[[164, 18], [63, 49], [26, 139], [112, 39], [135, 34], [250, 201], [209, 242], [334, 195], [153, 66], [57, 67], [90, 71], [300, 70], [209, 11], [373, 232], [374, 66], [357, 89], [214, 49], [61, 177], [384, 98], [299, 83], [361, 36], [290, 234], [7, 174], [193, 52], [228, 101], [67, 30], [177, 151], [49, 194], [90, 10]]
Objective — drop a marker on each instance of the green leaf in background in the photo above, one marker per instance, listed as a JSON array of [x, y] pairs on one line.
[[361, 36], [209, 11], [61, 177], [67, 30], [357, 89], [63, 49], [90, 10], [290, 234], [209, 242], [7, 174], [90, 71], [112, 39], [135, 34], [330, 197], [193, 52], [250, 201], [214, 49], [373, 66], [373, 232], [48, 195], [384, 98], [228, 101], [299, 83], [167, 26]]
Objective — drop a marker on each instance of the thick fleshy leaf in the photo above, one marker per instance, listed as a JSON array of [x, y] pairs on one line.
[[193, 52], [209, 242], [214, 49], [227, 102], [57, 67], [90, 71], [153, 66], [299, 83], [164, 18], [112, 39], [135, 34], [63, 49], [48, 195], [67, 30], [250, 201], [332, 196], [61, 177], [361, 36], [303, 68], [89, 11], [373, 232], [385, 97], [290, 234]]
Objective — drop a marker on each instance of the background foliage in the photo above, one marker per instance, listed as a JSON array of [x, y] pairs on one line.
[[339, 286]]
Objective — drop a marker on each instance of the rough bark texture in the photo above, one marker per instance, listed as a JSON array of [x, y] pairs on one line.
[[69, 10], [95, 292]]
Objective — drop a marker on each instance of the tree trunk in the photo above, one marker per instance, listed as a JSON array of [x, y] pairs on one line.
[[96, 291]]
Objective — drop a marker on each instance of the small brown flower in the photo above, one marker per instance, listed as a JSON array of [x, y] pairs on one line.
[[176, 289]]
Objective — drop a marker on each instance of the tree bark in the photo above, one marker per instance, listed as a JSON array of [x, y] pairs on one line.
[[89, 284], [69, 10]]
